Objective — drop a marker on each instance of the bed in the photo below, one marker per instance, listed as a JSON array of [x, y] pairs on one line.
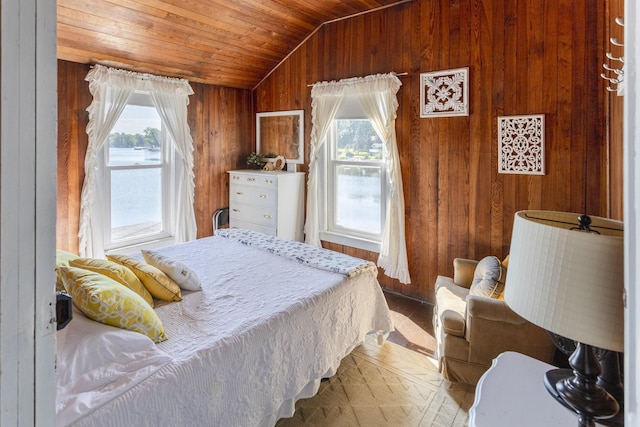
[[273, 318]]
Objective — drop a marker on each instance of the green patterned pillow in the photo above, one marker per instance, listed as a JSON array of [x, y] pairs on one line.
[[106, 301], [117, 272]]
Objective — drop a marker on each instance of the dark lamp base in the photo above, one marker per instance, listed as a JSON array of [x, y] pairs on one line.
[[552, 378], [580, 390]]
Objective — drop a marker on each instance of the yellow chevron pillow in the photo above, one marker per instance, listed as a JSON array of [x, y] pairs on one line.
[[117, 272], [156, 282], [106, 301]]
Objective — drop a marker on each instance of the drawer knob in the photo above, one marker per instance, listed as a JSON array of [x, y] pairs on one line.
[[264, 196], [240, 193], [268, 216], [236, 210]]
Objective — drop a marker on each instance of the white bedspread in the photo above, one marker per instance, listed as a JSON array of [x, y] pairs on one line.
[[261, 334]]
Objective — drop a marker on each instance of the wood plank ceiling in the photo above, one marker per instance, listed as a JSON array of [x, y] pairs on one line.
[[232, 43]]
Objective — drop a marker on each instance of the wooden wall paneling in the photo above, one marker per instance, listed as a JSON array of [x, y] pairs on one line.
[[357, 41], [423, 225], [499, 240], [562, 170], [534, 78], [507, 105], [64, 150], [344, 54], [479, 137], [409, 145], [382, 36], [613, 103], [501, 209], [550, 102], [446, 178], [223, 118], [596, 152], [429, 162], [215, 136], [524, 58], [73, 99], [298, 81], [195, 115], [521, 91], [590, 100], [577, 153]]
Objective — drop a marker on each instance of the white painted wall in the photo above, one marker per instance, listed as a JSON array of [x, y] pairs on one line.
[[28, 83], [632, 210]]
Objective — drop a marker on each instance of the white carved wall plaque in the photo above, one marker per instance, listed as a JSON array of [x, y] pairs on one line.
[[444, 93], [521, 144]]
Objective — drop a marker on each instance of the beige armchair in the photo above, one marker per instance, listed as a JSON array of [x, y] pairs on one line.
[[472, 330]]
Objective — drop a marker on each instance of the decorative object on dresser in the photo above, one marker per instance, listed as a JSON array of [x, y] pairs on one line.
[[268, 202], [254, 161], [273, 162], [566, 276]]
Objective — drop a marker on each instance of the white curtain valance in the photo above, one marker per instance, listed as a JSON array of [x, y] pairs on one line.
[[377, 95], [101, 75], [356, 85]]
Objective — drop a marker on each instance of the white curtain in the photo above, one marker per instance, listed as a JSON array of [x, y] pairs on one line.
[[111, 90], [326, 99], [172, 108], [377, 95]]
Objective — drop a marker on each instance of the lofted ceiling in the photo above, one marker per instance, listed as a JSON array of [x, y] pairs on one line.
[[233, 43]]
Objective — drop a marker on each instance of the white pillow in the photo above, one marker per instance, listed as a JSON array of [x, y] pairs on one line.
[[186, 278], [488, 278], [96, 363]]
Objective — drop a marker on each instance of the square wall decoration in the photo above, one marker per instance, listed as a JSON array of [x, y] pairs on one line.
[[521, 144], [444, 93]]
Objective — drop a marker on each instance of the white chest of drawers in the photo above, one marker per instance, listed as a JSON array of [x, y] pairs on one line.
[[268, 202]]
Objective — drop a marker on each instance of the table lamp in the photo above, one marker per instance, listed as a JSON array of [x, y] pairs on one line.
[[566, 275]]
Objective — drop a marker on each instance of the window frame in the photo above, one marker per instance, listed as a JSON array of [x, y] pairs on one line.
[[167, 167], [329, 230]]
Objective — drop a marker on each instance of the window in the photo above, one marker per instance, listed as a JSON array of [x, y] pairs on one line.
[[355, 192], [138, 176], [171, 159]]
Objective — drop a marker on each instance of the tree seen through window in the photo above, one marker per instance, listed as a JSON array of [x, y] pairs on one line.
[[149, 139]]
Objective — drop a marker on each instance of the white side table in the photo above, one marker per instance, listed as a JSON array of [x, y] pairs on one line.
[[512, 393]]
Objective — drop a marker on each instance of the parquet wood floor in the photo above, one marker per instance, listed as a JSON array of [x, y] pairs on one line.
[[395, 384]]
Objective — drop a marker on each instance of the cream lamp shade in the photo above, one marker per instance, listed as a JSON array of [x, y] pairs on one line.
[[567, 280]]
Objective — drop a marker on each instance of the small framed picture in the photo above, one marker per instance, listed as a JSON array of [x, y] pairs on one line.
[[444, 93], [521, 144]]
